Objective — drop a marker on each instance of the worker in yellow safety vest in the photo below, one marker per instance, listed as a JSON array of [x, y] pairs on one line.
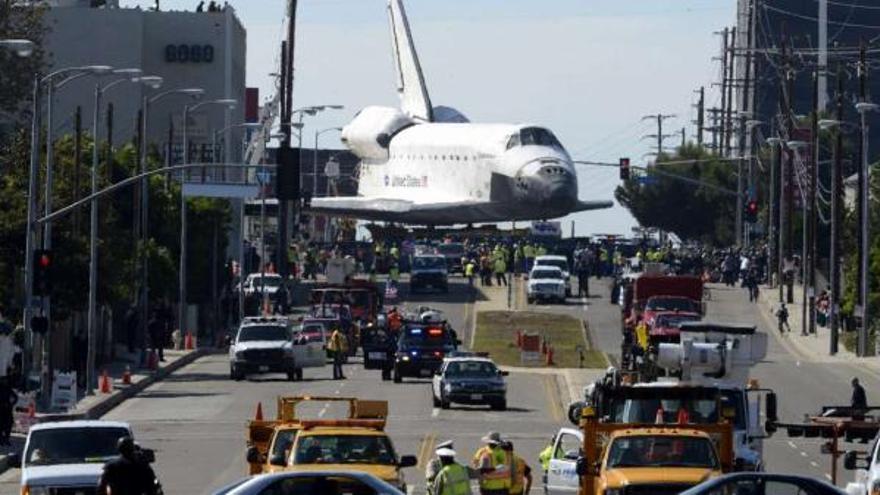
[[520, 471], [547, 454], [338, 346], [453, 478], [494, 466]]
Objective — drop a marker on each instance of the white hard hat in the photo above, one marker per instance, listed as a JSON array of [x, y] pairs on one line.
[[445, 452]]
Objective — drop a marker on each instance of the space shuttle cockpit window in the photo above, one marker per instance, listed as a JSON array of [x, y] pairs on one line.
[[537, 136]]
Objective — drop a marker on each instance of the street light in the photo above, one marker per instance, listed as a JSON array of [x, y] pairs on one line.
[[151, 81], [22, 48], [863, 108], [228, 103], [33, 177]]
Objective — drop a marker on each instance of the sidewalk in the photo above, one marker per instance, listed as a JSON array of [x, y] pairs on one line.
[[812, 347], [570, 382]]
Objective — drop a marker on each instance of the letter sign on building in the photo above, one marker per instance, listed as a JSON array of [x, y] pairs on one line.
[[196, 54]]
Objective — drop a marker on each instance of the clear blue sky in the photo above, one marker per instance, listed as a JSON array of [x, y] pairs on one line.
[[587, 69]]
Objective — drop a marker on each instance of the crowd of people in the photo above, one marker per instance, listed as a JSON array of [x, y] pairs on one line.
[[498, 469]]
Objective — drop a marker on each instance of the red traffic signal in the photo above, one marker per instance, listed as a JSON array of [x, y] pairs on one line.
[[751, 212], [42, 272], [624, 169]]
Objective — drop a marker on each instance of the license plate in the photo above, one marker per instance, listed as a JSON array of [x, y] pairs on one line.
[[378, 356], [425, 372], [476, 396], [264, 368]]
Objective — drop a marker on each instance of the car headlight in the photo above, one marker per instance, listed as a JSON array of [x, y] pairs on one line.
[[447, 387], [34, 490], [404, 358], [613, 491]]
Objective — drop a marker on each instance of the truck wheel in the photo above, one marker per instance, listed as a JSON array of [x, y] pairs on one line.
[[397, 377], [235, 373], [291, 376], [299, 374], [499, 405], [444, 402]]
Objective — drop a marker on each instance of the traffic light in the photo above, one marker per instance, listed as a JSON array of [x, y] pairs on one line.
[[42, 272], [624, 169], [751, 213]]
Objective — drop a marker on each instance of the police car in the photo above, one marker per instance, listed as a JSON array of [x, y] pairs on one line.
[[469, 378], [421, 349]]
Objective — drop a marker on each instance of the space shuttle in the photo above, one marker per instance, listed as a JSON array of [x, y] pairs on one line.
[[427, 165]]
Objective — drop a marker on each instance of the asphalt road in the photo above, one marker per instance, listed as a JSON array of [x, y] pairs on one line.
[[803, 386], [195, 419]]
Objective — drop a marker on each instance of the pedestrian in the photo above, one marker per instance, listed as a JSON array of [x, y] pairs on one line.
[[782, 318], [131, 327], [338, 346], [201, 6], [157, 335], [469, 270], [520, 471], [500, 271], [493, 465], [434, 465], [8, 399], [453, 478], [128, 474], [859, 400]]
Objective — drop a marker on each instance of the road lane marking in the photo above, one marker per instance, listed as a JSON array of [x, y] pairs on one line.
[[828, 476], [435, 412], [552, 393], [792, 445], [425, 449], [814, 464], [322, 412], [803, 454]]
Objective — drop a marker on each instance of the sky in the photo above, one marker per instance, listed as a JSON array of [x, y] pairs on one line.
[[589, 70]]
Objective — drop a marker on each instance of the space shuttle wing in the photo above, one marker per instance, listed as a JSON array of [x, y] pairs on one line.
[[592, 205], [387, 209], [414, 99]]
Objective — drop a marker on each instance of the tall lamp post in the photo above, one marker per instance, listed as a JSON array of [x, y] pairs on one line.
[[194, 93], [796, 146], [93, 235], [864, 198], [775, 235], [228, 103]]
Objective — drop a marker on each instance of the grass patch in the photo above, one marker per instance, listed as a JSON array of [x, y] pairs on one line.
[[851, 341], [496, 334]]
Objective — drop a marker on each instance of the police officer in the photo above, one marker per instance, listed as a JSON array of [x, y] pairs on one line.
[[128, 474], [453, 478], [434, 465]]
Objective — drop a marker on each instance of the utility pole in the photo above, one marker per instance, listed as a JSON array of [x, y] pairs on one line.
[[822, 62], [786, 229], [863, 217], [701, 109], [77, 164], [724, 102], [683, 137], [284, 207], [746, 135], [659, 136], [836, 217], [283, 204], [715, 112], [812, 211], [728, 117]]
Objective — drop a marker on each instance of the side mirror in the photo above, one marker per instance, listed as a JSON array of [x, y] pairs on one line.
[[574, 412], [408, 461], [277, 460], [505, 373], [770, 408], [850, 460], [14, 460], [149, 455], [252, 456]]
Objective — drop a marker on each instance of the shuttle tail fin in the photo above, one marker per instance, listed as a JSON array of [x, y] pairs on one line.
[[414, 97]]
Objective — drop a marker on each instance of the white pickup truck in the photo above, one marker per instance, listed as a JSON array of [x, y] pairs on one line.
[[69, 456], [867, 476]]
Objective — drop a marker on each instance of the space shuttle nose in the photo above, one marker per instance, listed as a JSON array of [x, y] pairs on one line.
[[557, 186]]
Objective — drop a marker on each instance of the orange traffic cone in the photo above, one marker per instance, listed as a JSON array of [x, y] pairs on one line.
[[104, 385], [126, 375], [259, 415], [188, 341]]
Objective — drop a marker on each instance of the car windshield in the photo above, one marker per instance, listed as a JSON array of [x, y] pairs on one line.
[[429, 262], [671, 304], [344, 449], [270, 281], [263, 332], [450, 249], [471, 369], [73, 445], [560, 263], [536, 274], [645, 411], [662, 450], [313, 332], [283, 443], [674, 321]]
